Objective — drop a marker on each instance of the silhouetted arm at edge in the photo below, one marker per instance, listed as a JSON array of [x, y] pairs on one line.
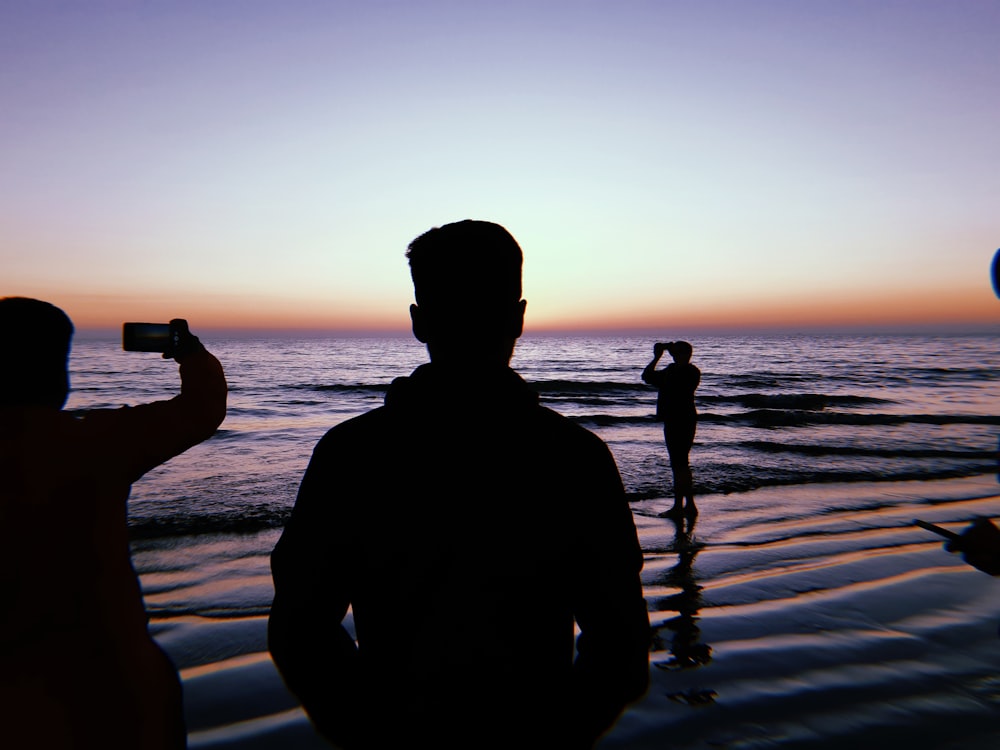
[[316, 656], [979, 545]]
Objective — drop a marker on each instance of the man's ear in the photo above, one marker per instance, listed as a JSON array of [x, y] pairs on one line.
[[516, 322], [419, 324]]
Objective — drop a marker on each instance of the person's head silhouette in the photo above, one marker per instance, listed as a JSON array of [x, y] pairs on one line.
[[36, 339], [680, 350], [467, 283]]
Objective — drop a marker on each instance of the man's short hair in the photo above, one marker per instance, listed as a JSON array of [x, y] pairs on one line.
[[681, 350], [466, 261], [34, 349]]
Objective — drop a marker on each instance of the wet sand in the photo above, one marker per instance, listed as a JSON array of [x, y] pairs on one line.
[[806, 616]]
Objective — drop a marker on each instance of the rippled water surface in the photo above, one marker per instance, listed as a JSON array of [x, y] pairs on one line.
[[773, 411]]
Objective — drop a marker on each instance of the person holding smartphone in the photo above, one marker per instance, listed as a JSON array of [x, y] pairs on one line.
[[78, 667]]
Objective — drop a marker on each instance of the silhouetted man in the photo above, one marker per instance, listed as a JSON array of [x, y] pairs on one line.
[[468, 528], [677, 383], [78, 668]]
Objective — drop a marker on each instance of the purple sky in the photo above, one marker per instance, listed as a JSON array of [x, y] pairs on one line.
[[660, 163]]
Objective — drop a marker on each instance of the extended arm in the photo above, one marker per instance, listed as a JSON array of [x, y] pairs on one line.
[[148, 435], [649, 373]]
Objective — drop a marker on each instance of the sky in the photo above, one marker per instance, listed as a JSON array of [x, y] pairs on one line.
[[664, 165]]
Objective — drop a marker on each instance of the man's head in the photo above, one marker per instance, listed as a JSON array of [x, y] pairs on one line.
[[680, 350], [467, 283], [34, 349]]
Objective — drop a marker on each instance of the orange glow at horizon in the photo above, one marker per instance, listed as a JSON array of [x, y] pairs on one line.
[[912, 307], [896, 308], [93, 311]]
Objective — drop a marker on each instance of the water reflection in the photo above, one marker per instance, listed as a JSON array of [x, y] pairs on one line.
[[680, 636]]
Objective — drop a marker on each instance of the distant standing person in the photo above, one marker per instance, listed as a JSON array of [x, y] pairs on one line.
[[677, 383], [78, 667]]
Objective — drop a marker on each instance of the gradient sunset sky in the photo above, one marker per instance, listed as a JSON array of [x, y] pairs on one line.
[[663, 164]]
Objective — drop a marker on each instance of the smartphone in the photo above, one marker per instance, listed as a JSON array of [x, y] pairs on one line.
[[937, 529], [147, 337]]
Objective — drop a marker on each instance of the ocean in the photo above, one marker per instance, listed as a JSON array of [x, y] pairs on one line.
[[802, 609], [773, 410]]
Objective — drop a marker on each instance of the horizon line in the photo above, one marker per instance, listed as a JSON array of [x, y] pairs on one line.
[[873, 329]]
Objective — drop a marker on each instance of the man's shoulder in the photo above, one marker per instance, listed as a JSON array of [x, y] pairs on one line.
[[383, 426], [368, 424], [560, 427]]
